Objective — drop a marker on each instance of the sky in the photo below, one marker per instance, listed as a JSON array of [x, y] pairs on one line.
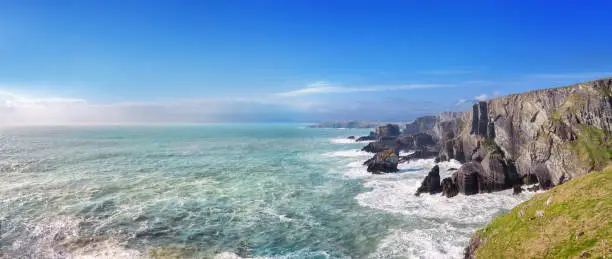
[[132, 62]]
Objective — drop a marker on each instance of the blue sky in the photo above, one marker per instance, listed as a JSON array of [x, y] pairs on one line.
[[286, 61]]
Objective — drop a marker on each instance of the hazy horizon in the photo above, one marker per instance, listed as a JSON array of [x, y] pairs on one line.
[[110, 62]]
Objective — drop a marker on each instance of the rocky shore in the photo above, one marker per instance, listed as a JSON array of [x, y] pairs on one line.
[[544, 137]]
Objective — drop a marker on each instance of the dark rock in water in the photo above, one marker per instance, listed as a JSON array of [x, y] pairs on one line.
[[383, 162], [493, 177], [431, 183], [419, 154], [351, 137], [517, 189], [421, 124], [449, 188], [469, 178], [452, 169], [422, 140], [389, 130], [381, 144], [366, 138], [534, 188]]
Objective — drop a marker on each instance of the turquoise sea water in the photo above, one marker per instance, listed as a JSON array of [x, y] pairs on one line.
[[225, 191]]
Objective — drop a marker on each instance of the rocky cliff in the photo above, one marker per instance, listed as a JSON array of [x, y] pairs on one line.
[[549, 136]]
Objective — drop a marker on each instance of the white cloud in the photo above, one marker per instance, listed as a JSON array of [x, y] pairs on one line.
[[325, 87], [9, 99], [481, 97], [460, 102]]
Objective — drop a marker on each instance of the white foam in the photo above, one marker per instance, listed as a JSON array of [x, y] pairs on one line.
[[105, 250], [405, 153], [448, 222], [348, 153], [394, 193], [303, 253], [343, 141], [436, 242], [227, 255]]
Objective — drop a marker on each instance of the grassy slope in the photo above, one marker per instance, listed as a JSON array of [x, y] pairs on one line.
[[576, 223]]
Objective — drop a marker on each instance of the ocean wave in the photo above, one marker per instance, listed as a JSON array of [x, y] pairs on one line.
[[343, 141], [405, 153], [438, 242], [348, 153], [450, 221], [107, 249]]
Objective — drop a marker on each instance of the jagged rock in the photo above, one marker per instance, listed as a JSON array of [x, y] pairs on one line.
[[421, 124], [517, 190], [365, 138], [452, 144], [351, 137], [389, 130], [370, 137], [383, 162], [469, 178], [381, 144], [415, 141], [431, 183], [405, 142], [493, 177], [534, 188], [449, 187]]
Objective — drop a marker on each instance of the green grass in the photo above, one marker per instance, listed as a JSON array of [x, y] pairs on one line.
[[576, 223], [592, 147]]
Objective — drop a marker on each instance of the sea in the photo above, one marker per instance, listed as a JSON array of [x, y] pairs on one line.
[[222, 191]]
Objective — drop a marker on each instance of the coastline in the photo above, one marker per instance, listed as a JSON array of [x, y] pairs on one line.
[[447, 224], [543, 138]]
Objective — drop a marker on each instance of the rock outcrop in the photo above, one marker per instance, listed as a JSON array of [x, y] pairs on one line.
[[449, 187], [388, 137], [421, 124], [383, 162], [381, 144], [366, 138], [553, 135], [431, 183], [389, 130]]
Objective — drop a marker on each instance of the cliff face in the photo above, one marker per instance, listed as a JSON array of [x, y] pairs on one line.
[[552, 135]]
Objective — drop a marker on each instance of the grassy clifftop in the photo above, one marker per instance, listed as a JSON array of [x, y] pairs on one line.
[[572, 220]]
